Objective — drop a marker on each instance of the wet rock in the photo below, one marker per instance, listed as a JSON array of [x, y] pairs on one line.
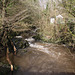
[[20, 43], [4, 69], [37, 37]]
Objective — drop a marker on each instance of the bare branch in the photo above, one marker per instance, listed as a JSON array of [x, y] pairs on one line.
[[19, 19], [24, 17], [16, 16]]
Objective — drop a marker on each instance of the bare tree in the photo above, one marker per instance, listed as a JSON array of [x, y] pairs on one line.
[[7, 24]]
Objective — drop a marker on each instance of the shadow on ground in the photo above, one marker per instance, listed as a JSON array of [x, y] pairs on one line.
[[44, 73]]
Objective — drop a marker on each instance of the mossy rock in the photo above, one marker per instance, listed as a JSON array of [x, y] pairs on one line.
[[37, 37], [20, 43], [4, 70]]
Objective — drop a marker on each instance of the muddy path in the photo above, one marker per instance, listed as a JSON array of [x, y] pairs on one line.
[[45, 59]]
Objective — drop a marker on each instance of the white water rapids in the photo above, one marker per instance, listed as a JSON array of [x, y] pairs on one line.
[[42, 48], [35, 45]]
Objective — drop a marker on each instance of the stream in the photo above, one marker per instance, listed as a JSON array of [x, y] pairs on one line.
[[44, 59]]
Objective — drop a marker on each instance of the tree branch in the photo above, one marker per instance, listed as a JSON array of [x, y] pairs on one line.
[[71, 13], [17, 15]]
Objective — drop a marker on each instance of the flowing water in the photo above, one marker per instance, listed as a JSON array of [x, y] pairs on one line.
[[44, 59]]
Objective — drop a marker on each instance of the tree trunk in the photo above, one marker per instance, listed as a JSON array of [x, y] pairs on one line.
[[5, 37], [4, 13]]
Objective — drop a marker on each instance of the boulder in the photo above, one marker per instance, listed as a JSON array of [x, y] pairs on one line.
[[20, 43]]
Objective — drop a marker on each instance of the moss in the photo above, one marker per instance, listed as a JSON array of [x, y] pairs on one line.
[[25, 50], [4, 70], [37, 37]]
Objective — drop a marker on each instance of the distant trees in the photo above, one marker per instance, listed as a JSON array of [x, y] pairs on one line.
[[62, 32], [69, 6]]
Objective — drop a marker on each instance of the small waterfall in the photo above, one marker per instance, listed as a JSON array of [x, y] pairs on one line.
[[30, 39], [19, 37], [40, 47], [43, 48], [36, 45]]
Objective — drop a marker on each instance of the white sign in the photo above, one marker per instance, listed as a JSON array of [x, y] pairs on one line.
[[59, 16], [52, 20]]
